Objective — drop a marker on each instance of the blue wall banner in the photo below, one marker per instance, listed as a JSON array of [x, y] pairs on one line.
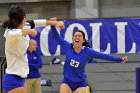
[[113, 35]]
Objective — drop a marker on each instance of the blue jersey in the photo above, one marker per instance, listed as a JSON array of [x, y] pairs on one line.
[[74, 67], [35, 63]]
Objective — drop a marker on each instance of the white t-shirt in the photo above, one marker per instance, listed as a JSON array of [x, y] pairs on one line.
[[16, 46], [15, 49]]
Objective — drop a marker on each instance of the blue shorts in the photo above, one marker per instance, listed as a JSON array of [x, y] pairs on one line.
[[12, 81], [74, 85]]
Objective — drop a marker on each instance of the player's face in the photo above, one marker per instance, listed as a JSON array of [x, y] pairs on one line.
[[78, 39]]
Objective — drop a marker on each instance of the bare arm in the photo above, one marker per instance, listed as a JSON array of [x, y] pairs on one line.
[[31, 32], [43, 22]]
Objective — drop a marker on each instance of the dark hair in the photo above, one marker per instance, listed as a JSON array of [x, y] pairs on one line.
[[86, 43], [15, 17]]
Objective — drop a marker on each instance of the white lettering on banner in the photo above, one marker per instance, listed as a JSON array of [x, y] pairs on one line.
[[121, 38], [69, 31], [96, 36], [44, 43], [107, 51], [133, 49]]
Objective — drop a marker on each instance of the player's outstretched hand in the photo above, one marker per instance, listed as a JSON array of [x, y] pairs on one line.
[[124, 59]]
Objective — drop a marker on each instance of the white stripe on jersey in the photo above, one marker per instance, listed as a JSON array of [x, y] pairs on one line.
[[38, 23], [27, 26]]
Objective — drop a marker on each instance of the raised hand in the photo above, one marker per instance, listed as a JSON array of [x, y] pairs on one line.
[[60, 25], [33, 32]]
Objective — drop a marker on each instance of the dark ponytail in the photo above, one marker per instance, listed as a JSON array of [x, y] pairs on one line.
[[5, 24], [86, 43], [15, 17], [12, 23]]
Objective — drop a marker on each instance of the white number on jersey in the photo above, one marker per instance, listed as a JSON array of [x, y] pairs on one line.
[[74, 63]]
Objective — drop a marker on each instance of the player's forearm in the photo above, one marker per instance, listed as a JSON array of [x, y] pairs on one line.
[[31, 32], [52, 23], [41, 23]]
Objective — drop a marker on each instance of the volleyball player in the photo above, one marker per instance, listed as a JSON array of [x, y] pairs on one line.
[[77, 56], [17, 42]]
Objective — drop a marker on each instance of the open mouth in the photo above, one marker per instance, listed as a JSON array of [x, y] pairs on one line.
[[77, 41]]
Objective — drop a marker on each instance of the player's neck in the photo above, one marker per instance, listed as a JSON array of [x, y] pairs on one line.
[[77, 49], [20, 27]]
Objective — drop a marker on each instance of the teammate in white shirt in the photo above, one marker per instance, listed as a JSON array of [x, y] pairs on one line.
[[17, 42]]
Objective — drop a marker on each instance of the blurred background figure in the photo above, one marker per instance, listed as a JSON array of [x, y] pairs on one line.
[[35, 63]]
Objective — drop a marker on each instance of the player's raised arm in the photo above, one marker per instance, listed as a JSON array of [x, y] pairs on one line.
[[41, 22]]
